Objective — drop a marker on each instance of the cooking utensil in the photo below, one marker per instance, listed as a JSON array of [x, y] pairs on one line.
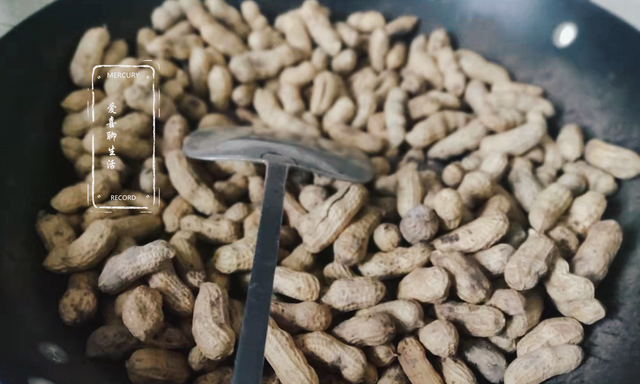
[[279, 151], [593, 82]]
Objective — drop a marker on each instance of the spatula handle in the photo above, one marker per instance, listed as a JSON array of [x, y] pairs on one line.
[[250, 356]]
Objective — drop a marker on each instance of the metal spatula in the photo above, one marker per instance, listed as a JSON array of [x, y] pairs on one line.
[[279, 151]]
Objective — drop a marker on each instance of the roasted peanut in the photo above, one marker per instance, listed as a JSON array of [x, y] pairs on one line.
[[112, 342], [351, 246], [455, 371], [426, 285], [549, 205], [211, 325], [530, 262], [419, 224], [476, 320], [306, 315], [135, 262], [585, 211], [366, 330], [551, 332], [543, 363], [471, 284], [440, 337], [321, 347], [495, 259], [485, 358], [142, 312], [217, 230], [79, 302], [598, 180], [414, 362], [398, 262], [286, 357], [479, 234], [323, 225], [407, 315], [157, 365], [354, 293], [596, 253], [175, 293]]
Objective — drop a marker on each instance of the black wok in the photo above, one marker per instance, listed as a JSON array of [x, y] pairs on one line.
[[595, 83]]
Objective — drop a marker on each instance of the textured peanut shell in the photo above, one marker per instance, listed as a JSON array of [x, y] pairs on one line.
[[176, 294], [407, 315], [563, 286], [189, 186], [354, 293], [188, 259], [138, 226], [215, 229], [334, 271], [495, 259], [471, 284], [286, 359], [299, 260], [415, 364], [351, 246], [298, 285], [620, 162], [211, 324], [515, 141], [387, 237], [221, 375], [485, 358], [585, 211], [476, 320], [571, 142], [366, 330], [150, 365], [585, 311], [565, 239], [135, 262], [400, 261], [237, 256], [476, 67], [320, 28], [426, 285], [479, 234], [142, 312], [449, 207], [549, 205], [436, 127], [475, 188], [88, 250], [523, 183], [320, 227], [381, 355], [439, 337], [419, 224], [321, 347], [530, 262], [593, 258], [509, 301], [306, 315], [54, 231], [455, 371], [598, 180], [111, 342], [88, 54], [77, 305], [542, 364], [465, 139], [551, 332], [199, 362]]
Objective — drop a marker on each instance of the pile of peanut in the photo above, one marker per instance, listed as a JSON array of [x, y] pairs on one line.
[[427, 274]]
